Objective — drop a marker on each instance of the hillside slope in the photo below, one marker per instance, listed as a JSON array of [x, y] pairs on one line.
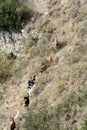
[[59, 31]]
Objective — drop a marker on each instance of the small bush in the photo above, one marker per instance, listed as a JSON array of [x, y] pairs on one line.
[[84, 127], [74, 12]]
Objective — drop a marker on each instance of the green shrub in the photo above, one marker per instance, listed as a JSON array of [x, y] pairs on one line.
[[84, 127], [12, 16]]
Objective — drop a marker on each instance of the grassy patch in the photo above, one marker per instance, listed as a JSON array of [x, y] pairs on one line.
[[39, 47], [43, 81], [49, 118], [82, 28], [1, 97], [37, 119], [5, 66], [9, 67]]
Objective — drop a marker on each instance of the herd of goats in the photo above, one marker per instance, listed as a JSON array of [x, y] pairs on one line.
[[26, 102], [30, 85], [31, 82]]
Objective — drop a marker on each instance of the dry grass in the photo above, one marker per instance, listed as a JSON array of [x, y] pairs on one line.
[[82, 28], [63, 85]]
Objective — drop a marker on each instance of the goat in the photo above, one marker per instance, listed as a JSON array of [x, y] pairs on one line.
[[44, 67], [13, 125], [17, 115], [49, 58], [47, 63], [32, 90], [31, 82], [56, 43], [27, 100], [12, 56]]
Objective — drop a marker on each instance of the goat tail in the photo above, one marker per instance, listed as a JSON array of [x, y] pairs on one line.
[[17, 115]]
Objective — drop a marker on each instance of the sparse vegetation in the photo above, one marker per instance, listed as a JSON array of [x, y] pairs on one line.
[[39, 47], [4, 69], [63, 84], [59, 117], [82, 28], [38, 119], [1, 96], [9, 67], [85, 125]]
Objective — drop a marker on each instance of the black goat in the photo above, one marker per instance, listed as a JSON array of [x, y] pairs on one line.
[[12, 56], [27, 100], [31, 82]]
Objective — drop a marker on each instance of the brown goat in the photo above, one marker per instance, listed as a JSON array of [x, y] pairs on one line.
[[44, 67], [13, 125], [47, 63], [55, 42], [49, 58]]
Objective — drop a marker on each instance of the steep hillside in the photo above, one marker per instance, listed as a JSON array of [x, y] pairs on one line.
[[53, 46]]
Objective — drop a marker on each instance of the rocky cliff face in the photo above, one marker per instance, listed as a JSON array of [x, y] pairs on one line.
[[12, 42]]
